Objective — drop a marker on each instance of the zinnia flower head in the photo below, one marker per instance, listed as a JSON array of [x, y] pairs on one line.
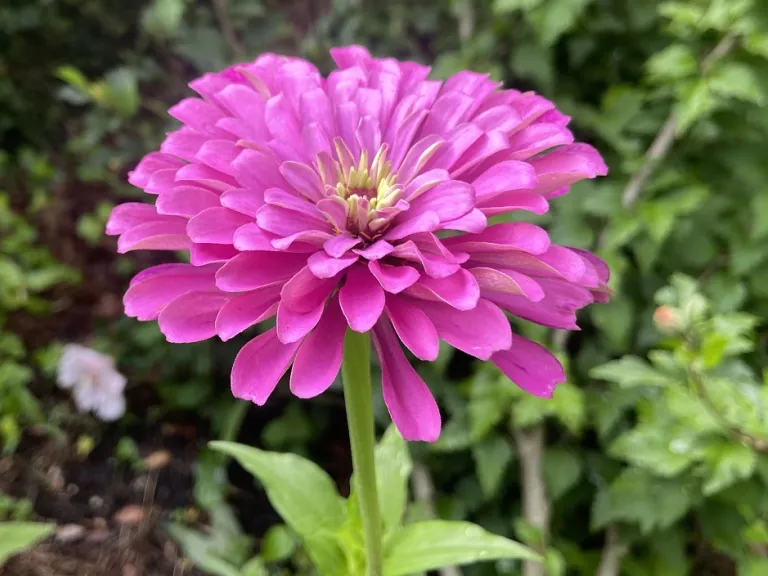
[[95, 383], [360, 200]]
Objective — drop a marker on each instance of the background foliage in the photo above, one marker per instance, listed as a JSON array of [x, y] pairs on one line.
[[652, 458]]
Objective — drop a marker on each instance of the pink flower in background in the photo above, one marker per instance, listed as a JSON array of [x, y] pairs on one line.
[[362, 200]]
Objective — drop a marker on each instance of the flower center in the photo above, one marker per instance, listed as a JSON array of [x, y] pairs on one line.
[[368, 190]]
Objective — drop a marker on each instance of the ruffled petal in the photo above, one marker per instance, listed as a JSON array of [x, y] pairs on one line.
[[319, 358], [362, 299], [259, 366], [531, 366], [410, 403]]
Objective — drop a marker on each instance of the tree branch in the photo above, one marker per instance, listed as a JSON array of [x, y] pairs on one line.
[[666, 136], [424, 493], [536, 508], [227, 29], [613, 552]]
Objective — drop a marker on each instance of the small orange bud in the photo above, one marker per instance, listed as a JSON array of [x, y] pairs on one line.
[[666, 318]]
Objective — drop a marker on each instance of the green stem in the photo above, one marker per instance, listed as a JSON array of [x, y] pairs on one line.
[[356, 373]]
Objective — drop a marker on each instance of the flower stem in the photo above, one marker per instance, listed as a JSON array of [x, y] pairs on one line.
[[356, 373]]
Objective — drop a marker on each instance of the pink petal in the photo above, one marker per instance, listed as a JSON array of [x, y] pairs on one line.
[[186, 201], [394, 279], [284, 222], [131, 214], [409, 401], [244, 201], [252, 270], [376, 251], [259, 366], [216, 225], [426, 222], [292, 326], [324, 266], [537, 138], [198, 114], [184, 143], [319, 358], [219, 155], [151, 163], [435, 266], [152, 289], [200, 254], [362, 299], [303, 180], [256, 171], [478, 332], [556, 310], [413, 328], [508, 281], [449, 200], [531, 366], [503, 237], [503, 177], [340, 244], [191, 317], [163, 235], [567, 165], [252, 238], [473, 221], [460, 290], [515, 200], [305, 291], [244, 310]]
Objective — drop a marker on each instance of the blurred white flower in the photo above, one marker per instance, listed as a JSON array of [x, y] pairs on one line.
[[95, 383]]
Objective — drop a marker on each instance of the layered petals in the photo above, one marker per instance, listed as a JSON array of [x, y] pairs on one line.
[[363, 201]]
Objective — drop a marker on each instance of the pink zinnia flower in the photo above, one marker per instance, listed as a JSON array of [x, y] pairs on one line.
[[362, 200]]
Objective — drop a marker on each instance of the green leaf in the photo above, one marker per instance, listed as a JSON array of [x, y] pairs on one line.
[[569, 407], [630, 372], [15, 537], [122, 91], [652, 447], [254, 567], [556, 17], [301, 492], [393, 468], [437, 543], [161, 19], [727, 463], [562, 469], [505, 6], [638, 496], [696, 102], [278, 544], [201, 550], [753, 566], [492, 457], [736, 80], [675, 62], [73, 77]]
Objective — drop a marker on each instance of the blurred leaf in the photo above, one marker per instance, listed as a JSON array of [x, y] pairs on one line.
[[161, 18], [696, 102], [437, 543], [638, 496], [16, 537], [630, 372], [736, 80], [675, 62], [492, 457], [727, 463], [568, 405], [278, 544], [562, 470], [201, 551], [122, 91], [554, 18], [504, 6], [393, 469]]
